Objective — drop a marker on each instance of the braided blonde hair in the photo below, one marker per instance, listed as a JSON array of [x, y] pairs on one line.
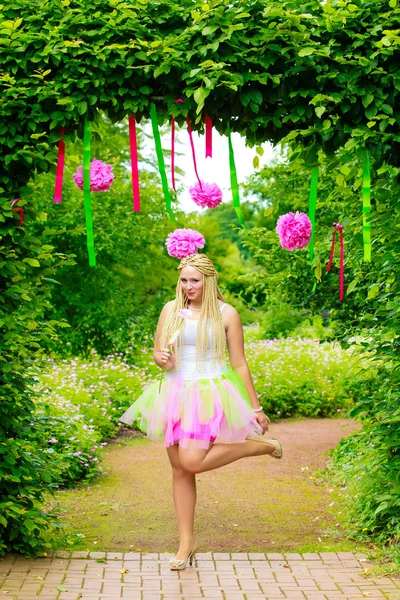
[[210, 313]]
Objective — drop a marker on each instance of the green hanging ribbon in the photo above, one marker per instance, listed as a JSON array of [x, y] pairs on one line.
[[312, 204], [234, 181], [86, 193], [366, 198], [161, 164]]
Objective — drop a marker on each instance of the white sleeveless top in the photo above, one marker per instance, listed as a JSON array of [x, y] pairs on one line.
[[187, 364]]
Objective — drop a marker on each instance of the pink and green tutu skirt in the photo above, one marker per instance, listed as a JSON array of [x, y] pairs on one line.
[[206, 409]]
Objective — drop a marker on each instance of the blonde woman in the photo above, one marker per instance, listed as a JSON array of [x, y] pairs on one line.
[[206, 412]]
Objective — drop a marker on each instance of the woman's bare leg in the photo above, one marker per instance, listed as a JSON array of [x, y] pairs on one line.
[[184, 495], [196, 460]]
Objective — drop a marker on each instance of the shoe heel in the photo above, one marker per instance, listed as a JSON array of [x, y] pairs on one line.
[[191, 558]]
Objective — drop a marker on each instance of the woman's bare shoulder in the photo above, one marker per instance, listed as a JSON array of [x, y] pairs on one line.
[[167, 307], [229, 313]]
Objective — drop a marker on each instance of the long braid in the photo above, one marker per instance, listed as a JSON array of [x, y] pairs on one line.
[[210, 313]]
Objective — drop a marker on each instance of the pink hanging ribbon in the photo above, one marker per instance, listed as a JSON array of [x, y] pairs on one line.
[[60, 168], [180, 101], [19, 210], [339, 228], [134, 163], [193, 151], [208, 136]]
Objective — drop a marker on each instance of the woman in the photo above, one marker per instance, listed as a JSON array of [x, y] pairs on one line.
[[207, 413]]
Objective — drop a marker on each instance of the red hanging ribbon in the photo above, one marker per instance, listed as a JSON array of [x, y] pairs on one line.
[[60, 168], [339, 228], [134, 163], [208, 136], [173, 153], [19, 210]]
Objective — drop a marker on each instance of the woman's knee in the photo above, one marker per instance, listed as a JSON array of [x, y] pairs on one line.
[[189, 464], [181, 472]]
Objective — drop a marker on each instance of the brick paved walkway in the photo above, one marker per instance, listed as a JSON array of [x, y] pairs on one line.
[[239, 576]]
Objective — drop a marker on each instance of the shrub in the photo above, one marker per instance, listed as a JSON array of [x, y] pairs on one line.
[[80, 404], [280, 321], [367, 464], [302, 377]]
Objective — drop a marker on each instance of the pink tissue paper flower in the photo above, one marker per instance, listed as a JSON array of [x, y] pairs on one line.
[[101, 177], [209, 194], [182, 242], [185, 313], [294, 230]]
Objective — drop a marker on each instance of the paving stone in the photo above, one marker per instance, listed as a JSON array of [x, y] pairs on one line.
[[213, 576]]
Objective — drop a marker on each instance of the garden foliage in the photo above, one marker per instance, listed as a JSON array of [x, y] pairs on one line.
[[78, 406], [369, 462], [323, 74]]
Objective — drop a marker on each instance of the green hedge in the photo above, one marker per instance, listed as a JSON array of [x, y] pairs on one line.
[[303, 377]]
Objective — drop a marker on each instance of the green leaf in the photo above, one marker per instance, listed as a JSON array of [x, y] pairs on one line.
[[351, 286], [268, 212], [256, 162], [61, 588], [260, 151], [256, 96], [63, 101], [367, 99], [306, 51], [209, 29], [319, 111], [82, 107], [318, 272], [373, 291], [29, 524], [32, 261], [199, 97], [290, 136]]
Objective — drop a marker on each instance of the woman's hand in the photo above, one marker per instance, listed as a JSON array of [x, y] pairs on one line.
[[263, 421], [168, 358]]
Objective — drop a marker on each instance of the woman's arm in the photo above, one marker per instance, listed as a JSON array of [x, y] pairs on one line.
[[159, 355], [235, 340]]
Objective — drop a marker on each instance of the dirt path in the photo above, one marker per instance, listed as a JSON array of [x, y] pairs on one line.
[[248, 506]]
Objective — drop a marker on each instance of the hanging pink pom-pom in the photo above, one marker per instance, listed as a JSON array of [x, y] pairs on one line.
[[209, 194], [294, 230], [182, 242], [101, 177]]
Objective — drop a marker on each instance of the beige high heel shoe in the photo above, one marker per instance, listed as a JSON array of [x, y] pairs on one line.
[[256, 437], [178, 564]]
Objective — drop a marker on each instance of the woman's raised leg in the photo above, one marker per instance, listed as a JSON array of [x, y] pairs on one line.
[[195, 460], [184, 495]]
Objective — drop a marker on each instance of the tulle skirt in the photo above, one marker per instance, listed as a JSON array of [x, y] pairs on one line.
[[205, 409]]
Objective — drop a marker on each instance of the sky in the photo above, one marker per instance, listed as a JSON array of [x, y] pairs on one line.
[[211, 170]]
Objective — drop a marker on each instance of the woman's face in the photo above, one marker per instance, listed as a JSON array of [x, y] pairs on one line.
[[192, 283]]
